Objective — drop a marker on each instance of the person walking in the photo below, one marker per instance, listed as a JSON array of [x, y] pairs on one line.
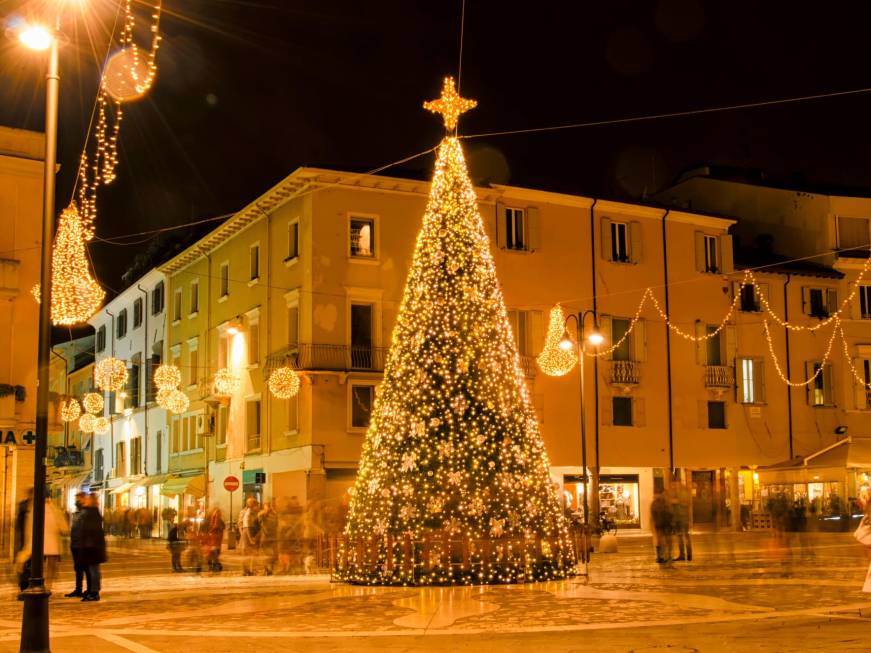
[[249, 535], [663, 523], [680, 510], [268, 520], [176, 546], [216, 527], [76, 524], [93, 547], [54, 526]]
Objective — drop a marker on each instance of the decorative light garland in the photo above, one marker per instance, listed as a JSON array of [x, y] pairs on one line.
[[93, 403], [553, 359], [101, 425], [283, 383], [75, 296], [87, 422], [226, 383], [167, 376], [110, 374], [70, 410], [176, 402]]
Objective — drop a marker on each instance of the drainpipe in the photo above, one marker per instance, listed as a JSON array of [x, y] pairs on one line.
[[147, 385], [788, 376], [594, 486], [66, 392], [111, 421], [267, 322], [668, 346]]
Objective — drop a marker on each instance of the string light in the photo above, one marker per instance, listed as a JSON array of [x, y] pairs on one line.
[[70, 410], [226, 383], [101, 425], [167, 376], [87, 422], [75, 296], [283, 383], [553, 359], [453, 447], [110, 374], [450, 104], [93, 403], [176, 401], [36, 293]]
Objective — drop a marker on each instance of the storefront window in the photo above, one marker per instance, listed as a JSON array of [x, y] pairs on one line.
[[619, 499]]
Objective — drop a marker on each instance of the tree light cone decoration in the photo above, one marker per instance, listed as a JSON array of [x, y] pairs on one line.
[[70, 410], [176, 402], [553, 359], [283, 383], [226, 383], [101, 425], [167, 376], [87, 422], [75, 296], [93, 403], [453, 459], [110, 374]]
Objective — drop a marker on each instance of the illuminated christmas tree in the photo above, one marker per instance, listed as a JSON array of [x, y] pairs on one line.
[[454, 483]]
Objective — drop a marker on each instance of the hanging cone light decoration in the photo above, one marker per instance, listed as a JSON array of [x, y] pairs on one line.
[[553, 359], [75, 296]]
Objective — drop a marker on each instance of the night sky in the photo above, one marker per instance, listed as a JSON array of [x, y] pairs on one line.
[[247, 91]]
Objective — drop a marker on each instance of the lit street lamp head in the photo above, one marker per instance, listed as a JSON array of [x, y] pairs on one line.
[[35, 37], [566, 344], [595, 338]]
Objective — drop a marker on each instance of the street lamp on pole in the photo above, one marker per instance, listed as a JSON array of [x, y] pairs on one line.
[[594, 338], [34, 620]]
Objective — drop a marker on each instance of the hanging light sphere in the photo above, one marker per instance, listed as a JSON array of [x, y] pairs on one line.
[[167, 376], [110, 374], [101, 424], [87, 422], [93, 402], [70, 410], [163, 395], [226, 383], [283, 383], [177, 402]]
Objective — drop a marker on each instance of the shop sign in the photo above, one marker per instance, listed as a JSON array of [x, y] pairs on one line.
[[26, 437]]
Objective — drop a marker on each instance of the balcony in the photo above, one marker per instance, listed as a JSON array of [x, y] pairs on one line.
[[719, 376], [68, 457], [625, 373], [334, 358]]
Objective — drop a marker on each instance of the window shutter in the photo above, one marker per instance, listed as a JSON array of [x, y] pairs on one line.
[[808, 372], [635, 244], [536, 332], [831, 300], [701, 344], [606, 238], [832, 224], [739, 380], [606, 410], [759, 380], [639, 415], [500, 225], [534, 227], [828, 386], [763, 290], [605, 328], [736, 291], [700, 251], [512, 321], [731, 343], [639, 341], [726, 264], [859, 389], [805, 300], [703, 413]]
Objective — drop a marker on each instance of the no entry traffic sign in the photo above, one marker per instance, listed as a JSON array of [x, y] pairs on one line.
[[231, 484]]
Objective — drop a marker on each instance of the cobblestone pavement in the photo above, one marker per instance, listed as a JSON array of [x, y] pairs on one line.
[[742, 592]]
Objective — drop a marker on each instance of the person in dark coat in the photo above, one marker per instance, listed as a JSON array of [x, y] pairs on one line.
[[663, 526], [76, 525], [93, 547]]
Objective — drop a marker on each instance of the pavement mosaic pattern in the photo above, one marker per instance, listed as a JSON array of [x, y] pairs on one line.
[[753, 581]]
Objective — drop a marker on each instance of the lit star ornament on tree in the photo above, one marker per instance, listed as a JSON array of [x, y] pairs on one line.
[[450, 104], [453, 419]]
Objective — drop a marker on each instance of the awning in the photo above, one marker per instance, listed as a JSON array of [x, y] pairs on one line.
[[826, 465], [193, 485], [157, 479], [121, 488]]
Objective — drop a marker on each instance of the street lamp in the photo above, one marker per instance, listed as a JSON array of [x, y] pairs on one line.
[[594, 338], [34, 618]]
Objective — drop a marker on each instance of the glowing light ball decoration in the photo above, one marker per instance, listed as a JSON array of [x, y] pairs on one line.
[[110, 374], [283, 383], [176, 402], [93, 403], [226, 383], [87, 422], [167, 376], [70, 410], [75, 296], [101, 425], [553, 359], [453, 450], [163, 395]]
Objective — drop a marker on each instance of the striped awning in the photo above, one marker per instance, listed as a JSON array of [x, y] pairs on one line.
[[193, 485]]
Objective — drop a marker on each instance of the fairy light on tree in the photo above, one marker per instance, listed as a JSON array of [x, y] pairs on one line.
[[87, 422], [93, 403], [70, 410], [167, 376], [101, 425], [283, 383], [110, 374], [453, 449], [176, 401]]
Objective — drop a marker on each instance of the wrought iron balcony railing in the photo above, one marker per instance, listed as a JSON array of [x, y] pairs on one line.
[[719, 376], [625, 372], [343, 358]]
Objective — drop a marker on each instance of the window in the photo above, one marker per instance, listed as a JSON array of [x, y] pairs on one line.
[[526, 327], [820, 302], [195, 297], [221, 434], [225, 280], [101, 338], [819, 391], [362, 400], [713, 253], [193, 366], [151, 390], [175, 443], [853, 236], [865, 302], [293, 325], [223, 349], [714, 349], [252, 421], [120, 459], [176, 306], [362, 237], [362, 336], [121, 324], [619, 242], [135, 456], [293, 414], [751, 380], [157, 298], [137, 312], [711, 258], [622, 411], [515, 229], [748, 301], [133, 380], [98, 466], [254, 262], [619, 329], [253, 342], [716, 414], [158, 452], [293, 240]]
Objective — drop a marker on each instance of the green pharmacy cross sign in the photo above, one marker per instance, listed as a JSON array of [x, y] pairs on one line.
[[28, 437]]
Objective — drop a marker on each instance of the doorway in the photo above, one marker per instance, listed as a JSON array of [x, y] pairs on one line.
[[703, 497]]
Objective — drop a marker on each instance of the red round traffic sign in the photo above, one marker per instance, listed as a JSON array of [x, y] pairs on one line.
[[231, 484]]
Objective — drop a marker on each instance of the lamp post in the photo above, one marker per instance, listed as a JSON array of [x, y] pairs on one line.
[[595, 338], [34, 619]]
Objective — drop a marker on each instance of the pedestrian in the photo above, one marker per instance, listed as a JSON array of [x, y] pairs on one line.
[[215, 527], [863, 536], [76, 524], [663, 524], [176, 545], [54, 526], [680, 510], [193, 538], [268, 520], [93, 547], [249, 535]]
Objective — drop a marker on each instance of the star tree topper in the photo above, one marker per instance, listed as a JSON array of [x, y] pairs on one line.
[[450, 104]]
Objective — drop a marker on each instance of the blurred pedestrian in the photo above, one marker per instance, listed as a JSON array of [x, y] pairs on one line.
[[680, 509], [54, 526], [215, 527], [93, 547], [268, 520], [663, 525], [176, 545], [76, 525], [193, 539], [249, 535]]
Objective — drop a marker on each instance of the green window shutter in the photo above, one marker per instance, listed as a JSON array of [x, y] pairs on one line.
[[703, 413], [500, 225], [700, 251], [726, 264], [536, 332], [639, 414], [605, 327], [701, 344], [635, 242], [860, 394], [808, 372], [533, 224], [606, 238], [639, 341], [731, 338], [828, 385], [606, 411], [759, 380], [831, 300]]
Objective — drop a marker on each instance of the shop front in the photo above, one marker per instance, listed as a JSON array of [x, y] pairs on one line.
[[623, 494], [186, 494]]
